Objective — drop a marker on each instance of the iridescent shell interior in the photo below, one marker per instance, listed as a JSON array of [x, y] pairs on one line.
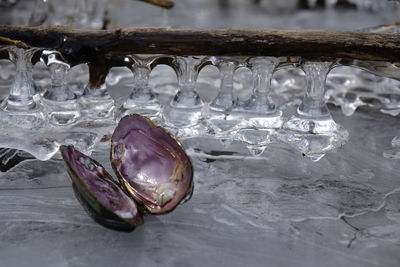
[[151, 164]]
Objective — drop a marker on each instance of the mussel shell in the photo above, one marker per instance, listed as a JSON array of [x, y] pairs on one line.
[[151, 164], [102, 198], [103, 217]]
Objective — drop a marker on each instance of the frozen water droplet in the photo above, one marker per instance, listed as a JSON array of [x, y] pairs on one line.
[[348, 109], [256, 150], [349, 103], [315, 157], [254, 136]]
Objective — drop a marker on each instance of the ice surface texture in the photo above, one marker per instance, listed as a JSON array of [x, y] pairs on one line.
[[281, 210]]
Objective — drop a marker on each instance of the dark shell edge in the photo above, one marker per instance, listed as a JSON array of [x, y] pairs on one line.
[[103, 215]]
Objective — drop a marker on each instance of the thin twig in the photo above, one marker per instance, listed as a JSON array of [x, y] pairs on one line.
[[17, 43], [161, 3]]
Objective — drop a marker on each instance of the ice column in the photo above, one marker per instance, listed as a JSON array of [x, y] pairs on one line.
[[184, 110], [96, 103], [59, 101], [142, 100], [312, 130], [220, 118], [260, 116], [19, 107], [259, 110]]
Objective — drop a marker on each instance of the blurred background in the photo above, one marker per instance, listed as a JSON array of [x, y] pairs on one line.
[[285, 14]]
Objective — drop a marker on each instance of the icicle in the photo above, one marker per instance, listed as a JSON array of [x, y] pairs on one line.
[[142, 99], [256, 140], [225, 99], [260, 111], [58, 91], [59, 101], [259, 114], [23, 87], [312, 130], [96, 102], [313, 114], [19, 108], [185, 108], [221, 122]]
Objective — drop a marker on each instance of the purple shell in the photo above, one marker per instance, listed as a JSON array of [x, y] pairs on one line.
[[101, 196], [151, 164]]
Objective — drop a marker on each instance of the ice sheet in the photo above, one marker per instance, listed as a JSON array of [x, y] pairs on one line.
[[279, 210]]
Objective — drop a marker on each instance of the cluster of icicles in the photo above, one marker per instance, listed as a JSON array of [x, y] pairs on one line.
[[257, 121]]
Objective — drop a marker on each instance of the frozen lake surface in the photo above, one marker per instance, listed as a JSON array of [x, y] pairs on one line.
[[278, 210]]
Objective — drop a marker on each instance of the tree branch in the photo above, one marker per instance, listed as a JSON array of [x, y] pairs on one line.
[[80, 46]]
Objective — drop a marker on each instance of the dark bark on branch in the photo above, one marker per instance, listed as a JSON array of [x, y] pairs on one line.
[[80, 46]]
